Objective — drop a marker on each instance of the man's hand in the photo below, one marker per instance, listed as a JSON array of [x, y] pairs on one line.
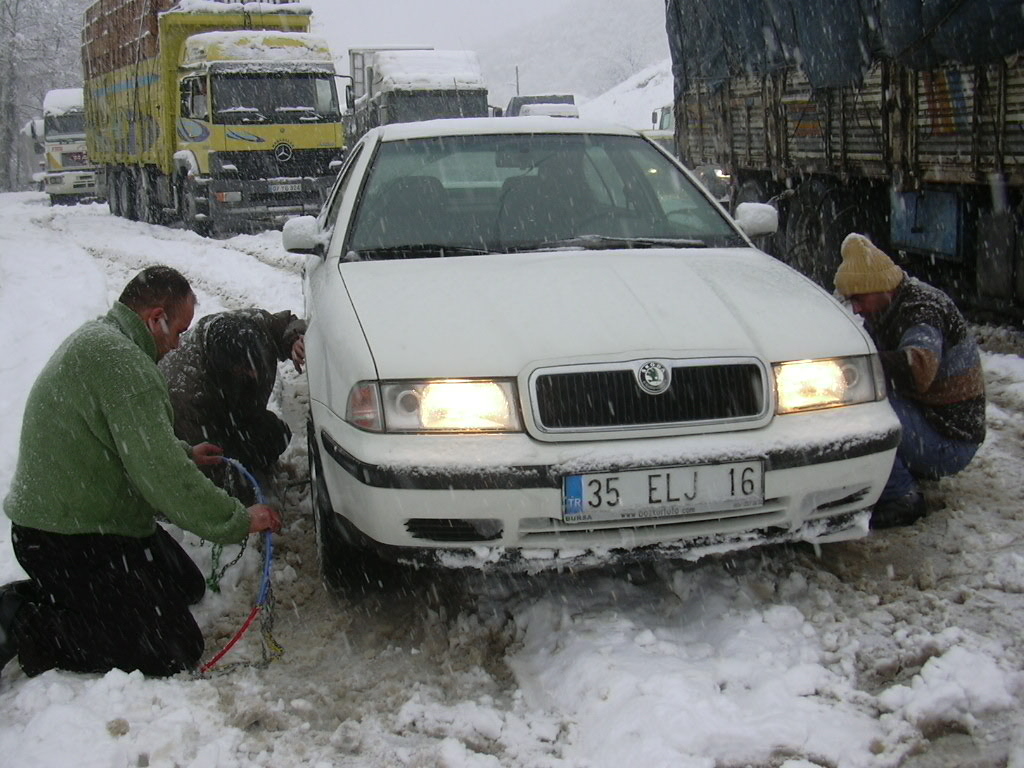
[[299, 353], [207, 454], [263, 517]]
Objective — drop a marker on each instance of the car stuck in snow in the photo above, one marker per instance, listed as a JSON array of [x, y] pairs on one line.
[[541, 341]]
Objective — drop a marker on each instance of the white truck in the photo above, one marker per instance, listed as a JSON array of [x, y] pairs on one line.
[[68, 175], [402, 85]]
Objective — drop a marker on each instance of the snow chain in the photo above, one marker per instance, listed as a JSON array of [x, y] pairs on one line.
[[270, 649]]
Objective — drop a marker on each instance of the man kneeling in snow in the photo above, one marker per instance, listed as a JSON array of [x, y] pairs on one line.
[[220, 380], [98, 464], [933, 369]]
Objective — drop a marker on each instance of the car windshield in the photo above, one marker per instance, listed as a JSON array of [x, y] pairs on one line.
[[455, 195], [274, 98]]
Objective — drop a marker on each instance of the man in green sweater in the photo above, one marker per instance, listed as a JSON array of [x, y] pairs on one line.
[[98, 465]]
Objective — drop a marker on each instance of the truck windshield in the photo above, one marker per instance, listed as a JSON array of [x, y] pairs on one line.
[[520, 192], [70, 124], [274, 98], [409, 106]]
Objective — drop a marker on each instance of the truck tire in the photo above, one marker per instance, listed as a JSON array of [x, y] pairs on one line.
[[147, 205], [822, 214], [810, 231], [126, 193], [190, 210], [114, 192]]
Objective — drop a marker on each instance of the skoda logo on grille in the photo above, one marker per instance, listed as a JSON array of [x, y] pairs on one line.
[[283, 152], [653, 377]]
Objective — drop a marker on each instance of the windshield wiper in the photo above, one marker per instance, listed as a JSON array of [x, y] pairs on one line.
[[413, 251], [308, 113], [604, 243], [245, 114]]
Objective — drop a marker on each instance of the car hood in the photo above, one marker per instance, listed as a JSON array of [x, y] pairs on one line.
[[500, 314]]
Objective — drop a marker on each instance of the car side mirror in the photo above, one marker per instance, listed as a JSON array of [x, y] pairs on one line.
[[350, 99], [300, 235], [756, 219]]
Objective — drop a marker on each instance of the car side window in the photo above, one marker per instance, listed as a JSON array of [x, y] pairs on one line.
[[330, 212]]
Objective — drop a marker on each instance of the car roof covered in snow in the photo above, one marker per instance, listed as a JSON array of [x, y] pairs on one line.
[[467, 126]]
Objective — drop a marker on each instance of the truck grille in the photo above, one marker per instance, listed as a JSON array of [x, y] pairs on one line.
[[265, 165], [612, 398]]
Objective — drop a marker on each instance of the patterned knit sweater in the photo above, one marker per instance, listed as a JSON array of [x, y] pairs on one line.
[[98, 453], [930, 357]]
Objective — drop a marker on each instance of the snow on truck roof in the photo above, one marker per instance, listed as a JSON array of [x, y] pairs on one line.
[[423, 70], [483, 126], [227, 6], [255, 46], [63, 100]]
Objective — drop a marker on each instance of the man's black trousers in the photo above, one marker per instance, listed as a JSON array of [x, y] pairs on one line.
[[107, 602]]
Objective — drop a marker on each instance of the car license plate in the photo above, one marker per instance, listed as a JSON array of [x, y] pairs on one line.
[[662, 492], [286, 187]]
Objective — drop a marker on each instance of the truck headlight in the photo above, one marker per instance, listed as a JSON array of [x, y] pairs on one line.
[[442, 405], [808, 385]]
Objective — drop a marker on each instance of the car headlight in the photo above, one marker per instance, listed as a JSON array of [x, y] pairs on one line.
[[443, 405], [808, 385]]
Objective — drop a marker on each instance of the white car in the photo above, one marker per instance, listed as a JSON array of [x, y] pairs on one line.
[[539, 341]]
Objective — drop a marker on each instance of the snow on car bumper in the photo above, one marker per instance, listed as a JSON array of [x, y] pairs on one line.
[[415, 493]]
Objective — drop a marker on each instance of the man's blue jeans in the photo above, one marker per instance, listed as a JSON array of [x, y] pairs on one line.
[[922, 452]]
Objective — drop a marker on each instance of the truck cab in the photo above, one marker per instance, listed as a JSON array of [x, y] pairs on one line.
[[259, 121], [68, 175], [402, 85]]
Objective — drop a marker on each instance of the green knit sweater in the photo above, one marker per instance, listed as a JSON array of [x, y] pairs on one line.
[[98, 453]]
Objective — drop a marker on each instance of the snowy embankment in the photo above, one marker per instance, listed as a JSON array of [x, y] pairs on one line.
[[901, 649]]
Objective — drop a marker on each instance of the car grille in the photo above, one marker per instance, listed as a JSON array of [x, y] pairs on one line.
[[612, 398]]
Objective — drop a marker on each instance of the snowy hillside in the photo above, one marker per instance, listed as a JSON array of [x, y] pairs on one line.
[[632, 101], [586, 48]]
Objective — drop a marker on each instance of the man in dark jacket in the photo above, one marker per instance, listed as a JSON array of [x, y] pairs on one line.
[[98, 464], [933, 368], [220, 380]]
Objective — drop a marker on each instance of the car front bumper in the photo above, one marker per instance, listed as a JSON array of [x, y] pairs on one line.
[[494, 496]]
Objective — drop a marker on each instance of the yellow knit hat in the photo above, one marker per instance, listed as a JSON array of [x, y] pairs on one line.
[[865, 269]]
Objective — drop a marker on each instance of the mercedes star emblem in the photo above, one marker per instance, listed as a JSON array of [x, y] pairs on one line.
[[283, 152]]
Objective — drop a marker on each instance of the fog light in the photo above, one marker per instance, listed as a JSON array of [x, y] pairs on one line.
[[228, 197]]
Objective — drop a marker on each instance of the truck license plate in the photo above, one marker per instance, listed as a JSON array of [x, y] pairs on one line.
[[286, 187], [662, 492]]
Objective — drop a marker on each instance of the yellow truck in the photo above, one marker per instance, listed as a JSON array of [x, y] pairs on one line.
[[220, 115]]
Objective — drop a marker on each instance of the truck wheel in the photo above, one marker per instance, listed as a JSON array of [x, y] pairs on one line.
[[810, 245], [126, 193], [190, 210], [114, 193], [147, 206], [822, 214]]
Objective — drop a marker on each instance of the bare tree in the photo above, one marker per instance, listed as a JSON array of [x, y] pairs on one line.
[[39, 50]]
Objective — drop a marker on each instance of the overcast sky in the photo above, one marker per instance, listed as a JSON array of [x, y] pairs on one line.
[[438, 24]]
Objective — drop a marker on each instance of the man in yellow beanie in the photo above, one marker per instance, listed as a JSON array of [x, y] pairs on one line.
[[933, 369]]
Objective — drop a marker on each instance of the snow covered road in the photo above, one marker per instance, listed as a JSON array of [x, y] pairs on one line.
[[902, 649]]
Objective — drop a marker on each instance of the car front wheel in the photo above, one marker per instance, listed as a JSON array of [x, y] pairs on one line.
[[344, 567]]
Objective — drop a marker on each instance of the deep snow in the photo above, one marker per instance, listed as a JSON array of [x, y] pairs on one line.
[[903, 648]]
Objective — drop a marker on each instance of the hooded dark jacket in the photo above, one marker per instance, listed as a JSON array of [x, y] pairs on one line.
[[220, 380]]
